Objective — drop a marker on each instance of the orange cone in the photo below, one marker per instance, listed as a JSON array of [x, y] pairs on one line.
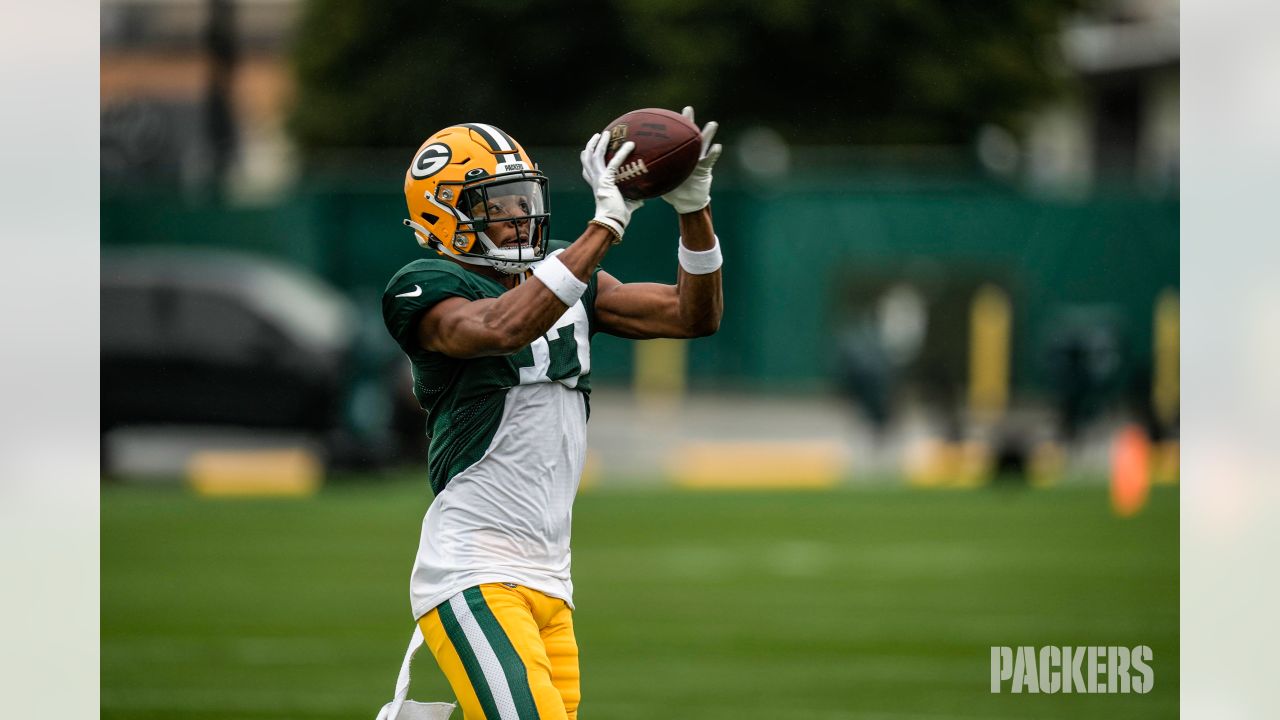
[[1130, 471]]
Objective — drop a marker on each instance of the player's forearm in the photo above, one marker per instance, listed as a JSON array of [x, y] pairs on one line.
[[700, 303], [696, 230], [522, 314], [585, 254], [700, 297]]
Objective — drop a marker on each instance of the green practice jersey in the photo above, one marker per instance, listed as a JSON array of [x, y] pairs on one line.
[[464, 398]]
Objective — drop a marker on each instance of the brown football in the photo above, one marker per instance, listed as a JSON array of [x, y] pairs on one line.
[[667, 149]]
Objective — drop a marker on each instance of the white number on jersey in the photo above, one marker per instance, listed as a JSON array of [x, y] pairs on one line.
[[554, 353]]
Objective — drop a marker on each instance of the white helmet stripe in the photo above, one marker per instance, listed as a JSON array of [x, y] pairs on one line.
[[502, 142], [497, 140]]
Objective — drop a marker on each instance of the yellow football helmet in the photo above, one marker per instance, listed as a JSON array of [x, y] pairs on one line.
[[474, 194]]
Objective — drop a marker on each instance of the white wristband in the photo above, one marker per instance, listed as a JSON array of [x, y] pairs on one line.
[[562, 283], [700, 262]]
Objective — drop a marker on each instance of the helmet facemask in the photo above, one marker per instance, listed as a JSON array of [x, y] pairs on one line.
[[503, 221]]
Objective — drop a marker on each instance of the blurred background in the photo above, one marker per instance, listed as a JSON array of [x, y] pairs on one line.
[[951, 263]]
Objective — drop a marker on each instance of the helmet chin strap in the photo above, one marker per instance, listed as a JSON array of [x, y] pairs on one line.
[[507, 260], [506, 267], [420, 233]]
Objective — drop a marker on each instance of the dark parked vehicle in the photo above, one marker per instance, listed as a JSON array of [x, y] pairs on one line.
[[205, 338]]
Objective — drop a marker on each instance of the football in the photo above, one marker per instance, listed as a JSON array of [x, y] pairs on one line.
[[667, 149]]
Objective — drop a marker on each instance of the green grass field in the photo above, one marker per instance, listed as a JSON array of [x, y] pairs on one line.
[[851, 603]]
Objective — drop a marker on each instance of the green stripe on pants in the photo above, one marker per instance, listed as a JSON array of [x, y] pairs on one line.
[[512, 665], [469, 661]]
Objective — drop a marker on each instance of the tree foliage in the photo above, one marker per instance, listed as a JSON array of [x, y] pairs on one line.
[[389, 72]]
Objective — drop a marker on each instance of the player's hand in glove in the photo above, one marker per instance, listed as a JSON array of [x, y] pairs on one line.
[[612, 210], [695, 192]]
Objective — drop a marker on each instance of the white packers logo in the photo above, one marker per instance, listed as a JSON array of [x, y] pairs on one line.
[[431, 160], [1067, 669]]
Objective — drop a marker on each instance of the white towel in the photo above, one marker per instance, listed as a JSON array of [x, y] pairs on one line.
[[400, 708]]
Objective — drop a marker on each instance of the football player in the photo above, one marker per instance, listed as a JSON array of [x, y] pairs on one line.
[[497, 323]]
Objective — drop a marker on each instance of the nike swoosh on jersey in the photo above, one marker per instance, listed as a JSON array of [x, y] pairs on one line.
[[415, 292]]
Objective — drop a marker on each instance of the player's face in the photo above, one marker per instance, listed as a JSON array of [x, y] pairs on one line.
[[509, 233]]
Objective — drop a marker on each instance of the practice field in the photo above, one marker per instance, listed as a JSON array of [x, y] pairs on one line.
[[878, 603]]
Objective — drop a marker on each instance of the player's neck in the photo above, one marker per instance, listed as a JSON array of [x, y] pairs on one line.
[[503, 279]]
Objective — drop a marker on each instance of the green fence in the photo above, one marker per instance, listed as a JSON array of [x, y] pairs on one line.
[[800, 262]]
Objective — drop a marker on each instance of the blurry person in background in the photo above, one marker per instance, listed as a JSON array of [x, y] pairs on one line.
[[497, 323]]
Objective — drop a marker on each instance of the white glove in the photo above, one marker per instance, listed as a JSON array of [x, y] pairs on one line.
[[695, 192], [612, 210]]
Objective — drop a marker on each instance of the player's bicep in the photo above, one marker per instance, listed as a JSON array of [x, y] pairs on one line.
[[456, 327], [637, 310]]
